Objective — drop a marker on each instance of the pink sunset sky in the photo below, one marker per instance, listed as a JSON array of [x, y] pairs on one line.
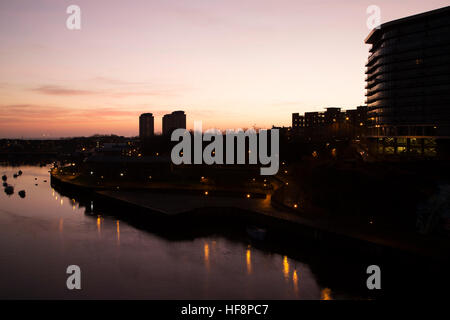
[[228, 63]]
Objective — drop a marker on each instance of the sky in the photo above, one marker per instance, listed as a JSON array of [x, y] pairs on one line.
[[228, 63]]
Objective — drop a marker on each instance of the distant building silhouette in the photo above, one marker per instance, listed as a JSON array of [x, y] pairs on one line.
[[146, 126], [172, 121], [122, 149], [331, 123], [408, 84]]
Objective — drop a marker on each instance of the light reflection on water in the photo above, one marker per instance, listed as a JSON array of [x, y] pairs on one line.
[[249, 260], [43, 233], [118, 232], [285, 268], [326, 294], [206, 249], [295, 281]]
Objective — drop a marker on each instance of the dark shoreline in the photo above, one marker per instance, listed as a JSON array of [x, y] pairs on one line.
[[316, 247], [201, 218]]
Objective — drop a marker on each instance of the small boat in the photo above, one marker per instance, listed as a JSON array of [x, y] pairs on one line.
[[22, 193], [9, 190], [15, 175], [256, 233], [4, 177], [20, 172], [5, 184]]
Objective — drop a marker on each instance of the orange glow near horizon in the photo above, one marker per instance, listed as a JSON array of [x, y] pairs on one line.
[[230, 64]]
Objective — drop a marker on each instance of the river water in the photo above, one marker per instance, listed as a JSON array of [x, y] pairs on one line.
[[44, 232]]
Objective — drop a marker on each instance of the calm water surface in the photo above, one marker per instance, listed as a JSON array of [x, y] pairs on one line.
[[43, 233]]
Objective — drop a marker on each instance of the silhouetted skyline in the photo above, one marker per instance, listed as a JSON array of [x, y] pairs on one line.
[[229, 64]]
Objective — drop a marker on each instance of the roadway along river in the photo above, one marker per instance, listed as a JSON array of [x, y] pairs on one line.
[[44, 232]]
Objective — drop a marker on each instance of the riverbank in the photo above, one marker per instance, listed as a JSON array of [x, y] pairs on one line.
[[188, 207]]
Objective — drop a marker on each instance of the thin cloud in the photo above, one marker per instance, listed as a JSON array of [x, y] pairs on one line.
[[61, 91], [36, 112], [23, 111], [31, 112], [64, 91], [20, 113]]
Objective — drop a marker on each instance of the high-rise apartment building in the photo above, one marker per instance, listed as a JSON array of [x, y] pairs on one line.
[[172, 121], [146, 125], [408, 83]]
